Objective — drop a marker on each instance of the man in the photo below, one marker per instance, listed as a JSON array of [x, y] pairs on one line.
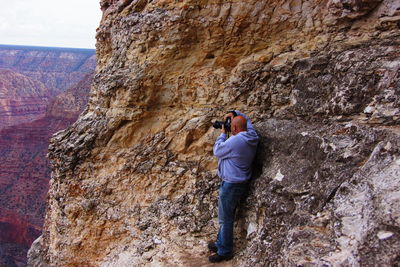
[[235, 159]]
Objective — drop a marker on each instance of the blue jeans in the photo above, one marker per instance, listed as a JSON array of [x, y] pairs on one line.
[[229, 196]]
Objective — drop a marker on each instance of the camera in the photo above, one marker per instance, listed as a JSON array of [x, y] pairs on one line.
[[226, 123]]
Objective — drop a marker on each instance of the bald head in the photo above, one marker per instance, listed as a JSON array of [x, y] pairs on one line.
[[238, 124]]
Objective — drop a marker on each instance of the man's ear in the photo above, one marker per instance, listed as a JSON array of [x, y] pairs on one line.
[[233, 128]]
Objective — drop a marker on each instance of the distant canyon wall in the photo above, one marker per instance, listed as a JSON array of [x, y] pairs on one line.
[[22, 99], [57, 68], [33, 106], [25, 170], [134, 179], [31, 76]]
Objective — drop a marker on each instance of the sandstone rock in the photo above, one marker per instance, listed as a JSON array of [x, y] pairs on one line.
[[320, 80], [330, 204]]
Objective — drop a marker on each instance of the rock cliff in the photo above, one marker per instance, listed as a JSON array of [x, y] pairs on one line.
[[134, 181], [25, 171]]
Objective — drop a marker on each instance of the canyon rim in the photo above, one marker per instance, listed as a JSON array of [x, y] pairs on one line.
[[134, 180]]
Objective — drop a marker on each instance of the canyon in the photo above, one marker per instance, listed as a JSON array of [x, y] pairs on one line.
[[56, 67], [22, 99], [31, 76], [31, 112], [134, 180]]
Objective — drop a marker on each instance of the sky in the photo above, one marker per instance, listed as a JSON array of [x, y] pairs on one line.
[[59, 23]]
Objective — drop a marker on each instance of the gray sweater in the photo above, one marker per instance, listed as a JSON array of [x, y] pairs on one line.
[[236, 154]]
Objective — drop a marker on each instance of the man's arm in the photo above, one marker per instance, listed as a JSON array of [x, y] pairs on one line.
[[249, 125], [222, 148]]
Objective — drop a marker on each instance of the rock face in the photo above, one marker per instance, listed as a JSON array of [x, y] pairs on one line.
[[25, 172], [134, 179]]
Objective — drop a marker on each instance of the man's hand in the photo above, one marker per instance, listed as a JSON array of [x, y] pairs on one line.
[[223, 129], [230, 114]]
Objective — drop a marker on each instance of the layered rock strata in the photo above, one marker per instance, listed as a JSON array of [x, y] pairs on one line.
[[31, 76], [22, 99], [25, 172], [57, 68], [134, 180], [71, 103]]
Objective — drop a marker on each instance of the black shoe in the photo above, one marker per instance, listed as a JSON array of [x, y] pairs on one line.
[[219, 258], [212, 247]]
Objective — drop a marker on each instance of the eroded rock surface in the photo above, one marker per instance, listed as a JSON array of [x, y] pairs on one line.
[[134, 180], [323, 197]]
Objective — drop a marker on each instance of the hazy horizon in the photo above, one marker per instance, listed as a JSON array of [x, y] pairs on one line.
[[43, 46], [48, 23]]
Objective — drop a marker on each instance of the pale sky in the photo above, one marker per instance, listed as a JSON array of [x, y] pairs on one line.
[[59, 23]]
